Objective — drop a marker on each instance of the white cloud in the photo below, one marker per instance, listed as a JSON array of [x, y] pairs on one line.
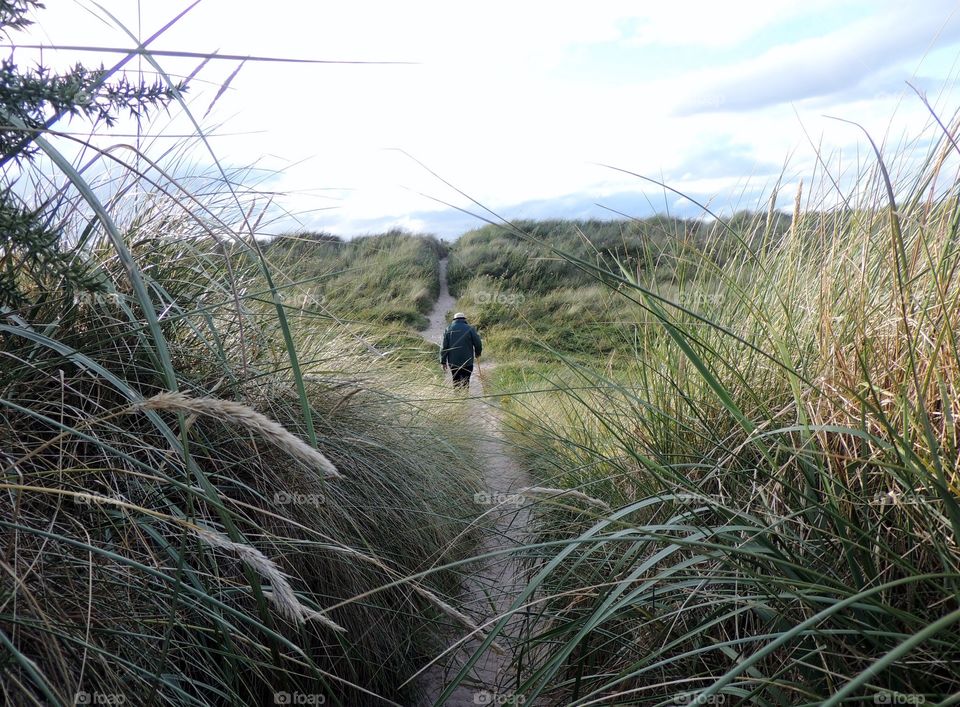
[[487, 108], [706, 23], [824, 65]]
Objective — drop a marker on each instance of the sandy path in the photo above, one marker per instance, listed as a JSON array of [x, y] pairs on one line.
[[443, 309], [489, 592]]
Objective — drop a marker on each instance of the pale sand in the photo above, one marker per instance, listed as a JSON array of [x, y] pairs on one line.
[[489, 592]]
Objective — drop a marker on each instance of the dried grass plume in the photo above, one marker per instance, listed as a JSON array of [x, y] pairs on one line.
[[247, 417]]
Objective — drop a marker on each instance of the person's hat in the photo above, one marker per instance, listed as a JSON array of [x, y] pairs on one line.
[[459, 315]]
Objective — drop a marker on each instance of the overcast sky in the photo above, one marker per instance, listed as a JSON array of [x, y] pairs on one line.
[[520, 104]]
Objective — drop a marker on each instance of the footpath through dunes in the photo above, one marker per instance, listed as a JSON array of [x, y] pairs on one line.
[[493, 584]]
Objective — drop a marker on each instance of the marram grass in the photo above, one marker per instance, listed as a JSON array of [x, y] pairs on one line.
[[778, 440], [209, 500]]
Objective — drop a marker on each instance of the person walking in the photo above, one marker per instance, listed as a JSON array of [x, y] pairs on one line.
[[461, 343]]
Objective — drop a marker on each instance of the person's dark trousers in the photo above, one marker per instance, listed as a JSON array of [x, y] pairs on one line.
[[461, 376]]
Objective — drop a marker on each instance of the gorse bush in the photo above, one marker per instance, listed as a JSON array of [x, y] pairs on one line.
[[32, 257], [207, 501], [780, 447]]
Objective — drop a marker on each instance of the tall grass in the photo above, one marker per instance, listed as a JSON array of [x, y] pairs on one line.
[[779, 442], [384, 279], [528, 256], [208, 499]]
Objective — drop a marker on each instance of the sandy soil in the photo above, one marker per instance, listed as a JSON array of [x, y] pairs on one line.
[[489, 592]]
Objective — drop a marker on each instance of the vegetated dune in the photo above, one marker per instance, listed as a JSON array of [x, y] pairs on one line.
[[776, 432], [248, 534], [385, 279]]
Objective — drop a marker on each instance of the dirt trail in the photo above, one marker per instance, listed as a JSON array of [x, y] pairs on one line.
[[489, 592]]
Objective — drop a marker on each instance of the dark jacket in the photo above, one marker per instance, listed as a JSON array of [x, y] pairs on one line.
[[460, 343]]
